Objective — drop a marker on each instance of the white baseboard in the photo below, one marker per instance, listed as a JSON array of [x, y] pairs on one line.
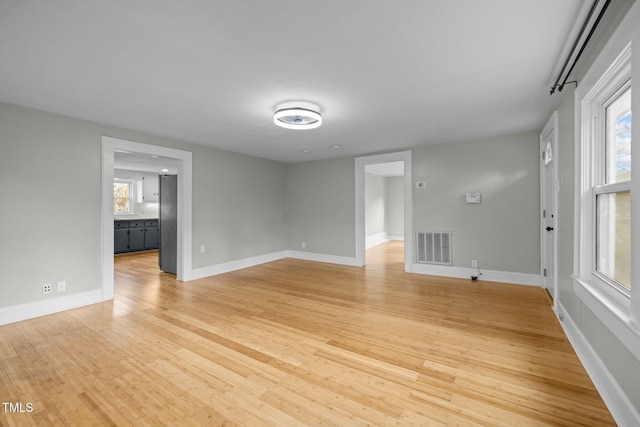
[[617, 402], [380, 238], [376, 239], [230, 266], [331, 259], [16, 313], [227, 267], [487, 275]]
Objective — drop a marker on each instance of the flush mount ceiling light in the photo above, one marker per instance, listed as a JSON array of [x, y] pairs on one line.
[[297, 117]]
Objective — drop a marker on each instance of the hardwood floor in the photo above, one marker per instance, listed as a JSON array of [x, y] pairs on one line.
[[294, 342]]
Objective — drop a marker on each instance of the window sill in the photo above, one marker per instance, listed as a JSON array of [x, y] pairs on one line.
[[613, 314]]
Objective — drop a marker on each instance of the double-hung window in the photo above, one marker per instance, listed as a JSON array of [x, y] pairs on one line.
[[605, 181], [611, 191]]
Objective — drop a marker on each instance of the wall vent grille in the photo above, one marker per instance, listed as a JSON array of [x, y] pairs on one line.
[[434, 247]]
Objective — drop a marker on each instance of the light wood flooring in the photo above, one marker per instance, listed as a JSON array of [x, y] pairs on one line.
[[295, 342]]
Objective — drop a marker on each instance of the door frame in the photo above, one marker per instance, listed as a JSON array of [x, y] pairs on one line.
[[184, 158], [549, 133], [360, 235]]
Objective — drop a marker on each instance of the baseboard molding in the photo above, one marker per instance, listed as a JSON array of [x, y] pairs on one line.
[[376, 239], [613, 396], [230, 266], [331, 259], [19, 312], [487, 275]]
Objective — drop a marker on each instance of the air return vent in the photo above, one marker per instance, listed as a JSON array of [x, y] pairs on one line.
[[434, 247]]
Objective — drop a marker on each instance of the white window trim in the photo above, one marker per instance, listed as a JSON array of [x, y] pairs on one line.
[[617, 63]]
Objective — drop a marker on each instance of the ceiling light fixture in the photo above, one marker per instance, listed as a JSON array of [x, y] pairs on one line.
[[297, 118]]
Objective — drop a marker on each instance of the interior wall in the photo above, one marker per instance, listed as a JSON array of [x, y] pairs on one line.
[[384, 207], [394, 207], [321, 206], [502, 232], [375, 205]]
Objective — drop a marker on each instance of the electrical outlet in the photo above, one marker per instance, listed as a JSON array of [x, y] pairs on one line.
[[474, 263], [202, 249], [304, 245], [62, 286], [47, 288]]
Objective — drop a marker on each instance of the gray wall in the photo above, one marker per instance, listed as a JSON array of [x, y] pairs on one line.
[[50, 215], [50, 228], [384, 205], [502, 232], [321, 206], [394, 205], [374, 204]]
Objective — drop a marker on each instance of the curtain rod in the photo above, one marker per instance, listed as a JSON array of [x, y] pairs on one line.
[[582, 48]]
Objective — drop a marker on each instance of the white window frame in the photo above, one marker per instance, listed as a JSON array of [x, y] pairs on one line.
[[618, 63]]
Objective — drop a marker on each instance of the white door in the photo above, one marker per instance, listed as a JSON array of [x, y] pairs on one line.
[[549, 191]]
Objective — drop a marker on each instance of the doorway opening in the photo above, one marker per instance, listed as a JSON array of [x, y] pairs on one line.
[[183, 164], [384, 215], [372, 210]]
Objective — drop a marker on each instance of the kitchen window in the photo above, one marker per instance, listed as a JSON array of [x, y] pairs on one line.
[[122, 200]]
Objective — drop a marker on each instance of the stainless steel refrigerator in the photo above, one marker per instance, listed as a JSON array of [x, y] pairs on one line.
[[168, 223]]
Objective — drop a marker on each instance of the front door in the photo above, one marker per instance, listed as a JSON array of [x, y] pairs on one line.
[[549, 192]]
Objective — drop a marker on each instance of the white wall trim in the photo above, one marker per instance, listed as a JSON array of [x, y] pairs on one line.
[[613, 396], [230, 266], [331, 259], [17, 313], [487, 275], [376, 239]]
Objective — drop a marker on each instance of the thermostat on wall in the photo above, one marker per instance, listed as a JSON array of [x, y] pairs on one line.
[[473, 197]]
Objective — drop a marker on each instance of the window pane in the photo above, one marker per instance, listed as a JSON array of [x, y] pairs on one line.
[[618, 143], [121, 205], [614, 236], [121, 200], [120, 189]]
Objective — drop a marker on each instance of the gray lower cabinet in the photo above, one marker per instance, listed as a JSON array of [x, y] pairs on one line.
[[151, 234], [134, 235]]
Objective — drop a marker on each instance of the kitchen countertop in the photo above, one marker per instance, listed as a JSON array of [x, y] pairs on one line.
[[133, 217]]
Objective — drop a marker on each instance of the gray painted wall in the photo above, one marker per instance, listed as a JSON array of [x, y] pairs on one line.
[[384, 205], [321, 206], [50, 217], [394, 205], [374, 204], [50, 173], [502, 232]]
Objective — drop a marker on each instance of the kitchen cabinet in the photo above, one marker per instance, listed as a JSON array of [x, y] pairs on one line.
[[150, 189], [135, 235], [151, 234]]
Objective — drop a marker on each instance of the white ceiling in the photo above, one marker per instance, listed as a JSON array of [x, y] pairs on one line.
[[387, 75]]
